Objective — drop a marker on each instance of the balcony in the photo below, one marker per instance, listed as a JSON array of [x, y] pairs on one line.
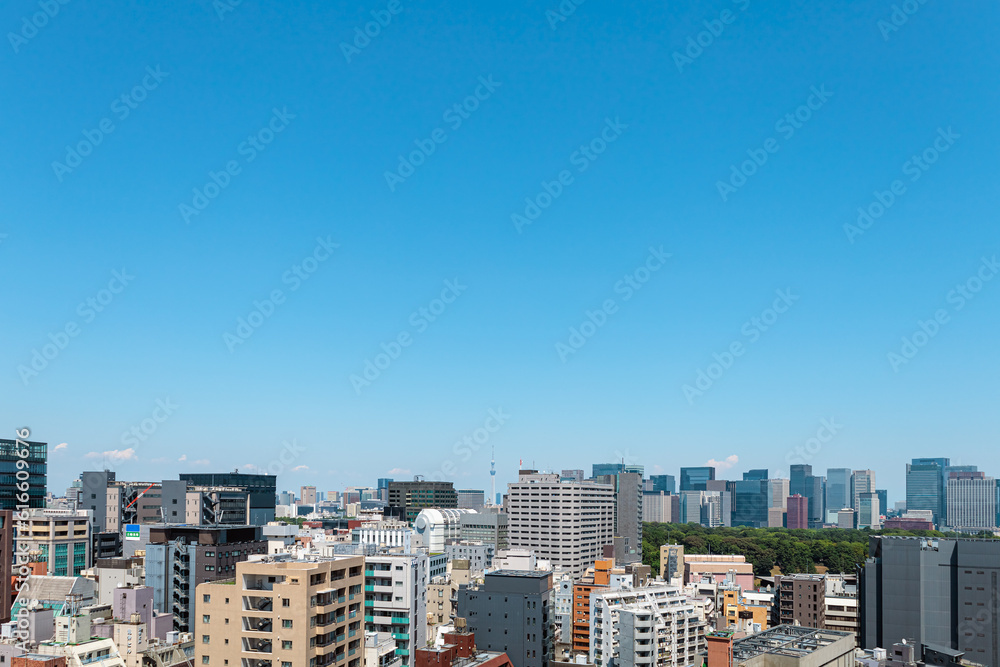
[[254, 603], [255, 645]]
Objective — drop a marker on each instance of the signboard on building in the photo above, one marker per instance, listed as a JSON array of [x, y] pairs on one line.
[[132, 531]]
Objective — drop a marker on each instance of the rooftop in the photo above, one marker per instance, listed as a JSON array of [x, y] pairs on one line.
[[787, 640]]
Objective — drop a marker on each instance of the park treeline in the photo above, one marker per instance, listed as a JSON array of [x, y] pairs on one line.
[[793, 551]]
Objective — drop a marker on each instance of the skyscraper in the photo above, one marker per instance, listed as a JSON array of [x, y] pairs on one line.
[[925, 481], [869, 512], [749, 498], [862, 481], [971, 501], [838, 489], [803, 483], [599, 469], [798, 512], [665, 483], [695, 479], [36, 456], [627, 483]]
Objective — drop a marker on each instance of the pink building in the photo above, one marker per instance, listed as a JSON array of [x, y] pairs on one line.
[[798, 512]]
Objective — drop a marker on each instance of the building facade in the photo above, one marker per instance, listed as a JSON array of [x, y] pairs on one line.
[[566, 523], [396, 599]]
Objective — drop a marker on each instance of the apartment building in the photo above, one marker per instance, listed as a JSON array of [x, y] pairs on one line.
[[396, 599], [566, 523], [178, 558], [823, 601], [652, 626], [281, 612]]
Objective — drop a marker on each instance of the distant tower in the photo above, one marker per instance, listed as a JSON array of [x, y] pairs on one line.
[[493, 474]]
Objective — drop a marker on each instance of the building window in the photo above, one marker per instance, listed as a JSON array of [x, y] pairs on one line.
[[205, 618], [204, 659], [286, 622], [284, 602], [210, 568], [227, 621], [285, 664], [204, 639], [286, 644], [206, 598]]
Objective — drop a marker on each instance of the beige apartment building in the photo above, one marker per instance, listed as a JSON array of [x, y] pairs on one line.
[[282, 612]]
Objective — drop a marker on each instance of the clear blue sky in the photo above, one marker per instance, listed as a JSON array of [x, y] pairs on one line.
[[674, 128]]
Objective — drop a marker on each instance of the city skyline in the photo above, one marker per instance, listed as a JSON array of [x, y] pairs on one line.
[[647, 247]]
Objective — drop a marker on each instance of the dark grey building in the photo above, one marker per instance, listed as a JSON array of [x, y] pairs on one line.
[[932, 591], [261, 488], [406, 499], [35, 454], [627, 484], [178, 558], [803, 482], [838, 489], [696, 479], [94, 497], [511, 613]]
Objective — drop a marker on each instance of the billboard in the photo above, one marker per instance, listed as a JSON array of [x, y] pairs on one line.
[[132, 531]]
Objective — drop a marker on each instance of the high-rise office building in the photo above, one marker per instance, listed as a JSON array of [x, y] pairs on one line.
[[757, 473], [567, 523], [925, 484], [862, 481], [658, 483], [971, 499], [883, 500], [628, 512], [406, 499], [869, 511], [575, 475], [307, 495], [932, 591], [35, 454], [838, 490], [305, 613], [261, 489], [749, 500], [805, 484], [601, 469], [798, 512], [471, 499], [696, 479]]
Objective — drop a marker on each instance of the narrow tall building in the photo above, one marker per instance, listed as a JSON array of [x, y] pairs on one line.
[[280, 612], [566, 523]]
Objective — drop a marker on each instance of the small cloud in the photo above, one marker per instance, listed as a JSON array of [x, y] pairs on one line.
[[61, 446], [183, 458], [300, 468], [114, 455], [725, 464], [398, 471], [202, 462]]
